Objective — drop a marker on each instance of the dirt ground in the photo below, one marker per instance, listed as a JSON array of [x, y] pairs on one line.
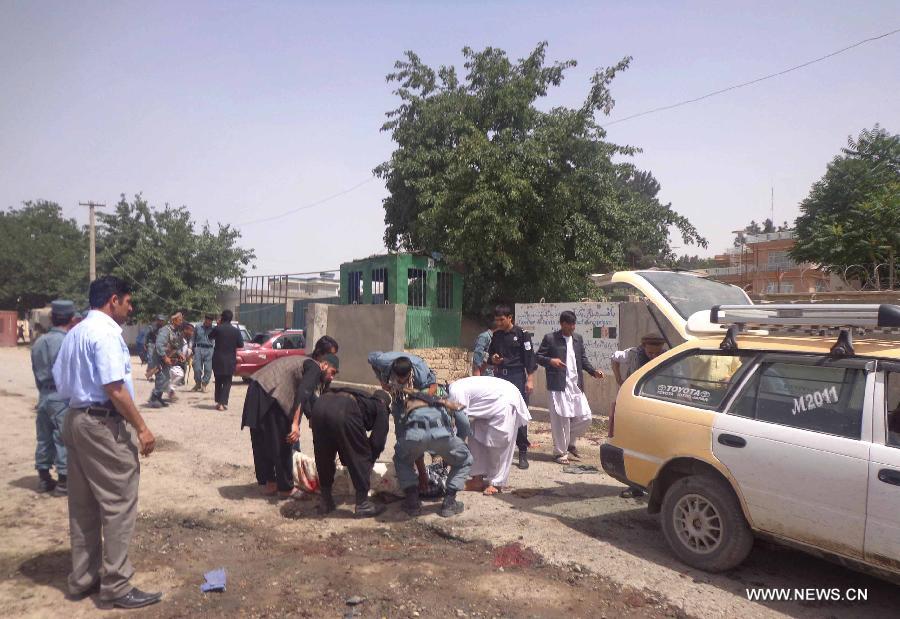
[[558, 544]]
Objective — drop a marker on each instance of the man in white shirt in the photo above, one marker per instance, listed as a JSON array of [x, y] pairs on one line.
[[93, 372], [496, 410], [562, 354]]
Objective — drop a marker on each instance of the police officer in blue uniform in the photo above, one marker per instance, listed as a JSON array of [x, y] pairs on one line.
[[423, 424], [51, 406], [511, 354], [203, 353]]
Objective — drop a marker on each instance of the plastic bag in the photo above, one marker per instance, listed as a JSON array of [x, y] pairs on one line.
[[437, 474]]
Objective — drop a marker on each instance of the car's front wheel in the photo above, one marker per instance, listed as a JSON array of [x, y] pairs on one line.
[[704, 524]]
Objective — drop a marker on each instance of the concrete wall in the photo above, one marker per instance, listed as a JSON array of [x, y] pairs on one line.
[[8, 328], [359, 329]]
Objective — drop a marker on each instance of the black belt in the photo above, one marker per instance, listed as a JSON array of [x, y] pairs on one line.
[[103, 410], [424, 424], [510, 371]]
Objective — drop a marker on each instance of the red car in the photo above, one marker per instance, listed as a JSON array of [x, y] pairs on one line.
[[281, 344]]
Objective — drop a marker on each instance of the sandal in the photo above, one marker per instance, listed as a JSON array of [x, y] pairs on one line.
[[492, 490], [563, 459], [290, 494], [573, 452]]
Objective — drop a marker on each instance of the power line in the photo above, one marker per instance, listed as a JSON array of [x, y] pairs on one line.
[[754, 81], [307, 206]]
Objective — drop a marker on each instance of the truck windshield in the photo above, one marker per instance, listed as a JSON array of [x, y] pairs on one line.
[[689, 294]]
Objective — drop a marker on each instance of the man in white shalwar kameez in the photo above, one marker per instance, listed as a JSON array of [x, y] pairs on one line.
[[496, 410], [562, 353]]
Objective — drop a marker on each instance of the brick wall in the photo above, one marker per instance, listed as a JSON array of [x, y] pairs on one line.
[[449, 364]]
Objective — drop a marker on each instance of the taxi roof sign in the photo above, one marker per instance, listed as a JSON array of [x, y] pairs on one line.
[[808, 315]]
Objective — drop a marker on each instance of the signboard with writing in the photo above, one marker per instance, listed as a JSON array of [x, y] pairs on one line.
[[598, 323]]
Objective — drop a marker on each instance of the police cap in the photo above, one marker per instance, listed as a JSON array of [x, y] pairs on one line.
[[62, 308]]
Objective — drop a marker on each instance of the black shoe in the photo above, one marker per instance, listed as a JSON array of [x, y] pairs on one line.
[[327, 504], [77, 597], [154, 403], [411, 503], [61, 489], [523, 460], [136, 599], [368, 509], [450, 506], [46, 483]]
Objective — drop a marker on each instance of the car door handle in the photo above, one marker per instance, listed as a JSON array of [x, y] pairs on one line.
[[889, 476], [730, 440]]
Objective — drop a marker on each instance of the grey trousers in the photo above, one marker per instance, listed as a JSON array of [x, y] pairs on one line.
[[104, 472], [202, 365], [162, 380], [50, 449]]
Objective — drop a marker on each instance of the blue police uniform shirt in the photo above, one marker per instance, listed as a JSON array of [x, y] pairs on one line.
[[381, 362], [92, 355], [480, 356], [43, 354], [201, 336]]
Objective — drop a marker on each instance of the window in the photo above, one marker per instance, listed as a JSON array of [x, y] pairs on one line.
[[620, 290], [780, 261], [354, 287], [416, 287], [690, 293], [379, 286], [816, 397], [700, 378], [445, 290], [892, 396]]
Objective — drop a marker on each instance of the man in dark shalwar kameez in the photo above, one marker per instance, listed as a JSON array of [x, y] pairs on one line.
[[278, 395]]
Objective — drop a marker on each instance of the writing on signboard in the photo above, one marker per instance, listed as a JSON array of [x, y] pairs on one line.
[[598, 324]]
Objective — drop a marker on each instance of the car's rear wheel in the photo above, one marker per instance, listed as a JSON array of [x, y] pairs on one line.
[[704, 525]]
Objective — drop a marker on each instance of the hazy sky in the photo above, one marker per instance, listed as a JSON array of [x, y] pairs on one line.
[[243, 110]]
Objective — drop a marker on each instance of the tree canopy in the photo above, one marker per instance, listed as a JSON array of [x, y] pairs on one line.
[[43, 256], [852, 214], [527, 201], [171, 263], [753, 227]]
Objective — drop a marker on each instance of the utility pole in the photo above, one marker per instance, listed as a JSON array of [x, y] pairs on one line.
[[93, 226]]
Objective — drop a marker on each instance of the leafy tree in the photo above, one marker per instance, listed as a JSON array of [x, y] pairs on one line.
[[693, 263], [528, 201], [171, 265], [766, 227], [43, 256], [852, 214]]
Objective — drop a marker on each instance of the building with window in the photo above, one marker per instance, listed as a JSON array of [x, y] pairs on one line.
[[430, 289], [761, 265]]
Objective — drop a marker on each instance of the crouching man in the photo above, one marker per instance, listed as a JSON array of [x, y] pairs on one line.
[[496, 410], [353, 425]]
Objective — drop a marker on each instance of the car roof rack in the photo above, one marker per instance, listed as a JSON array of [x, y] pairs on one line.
[[819, 315]]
